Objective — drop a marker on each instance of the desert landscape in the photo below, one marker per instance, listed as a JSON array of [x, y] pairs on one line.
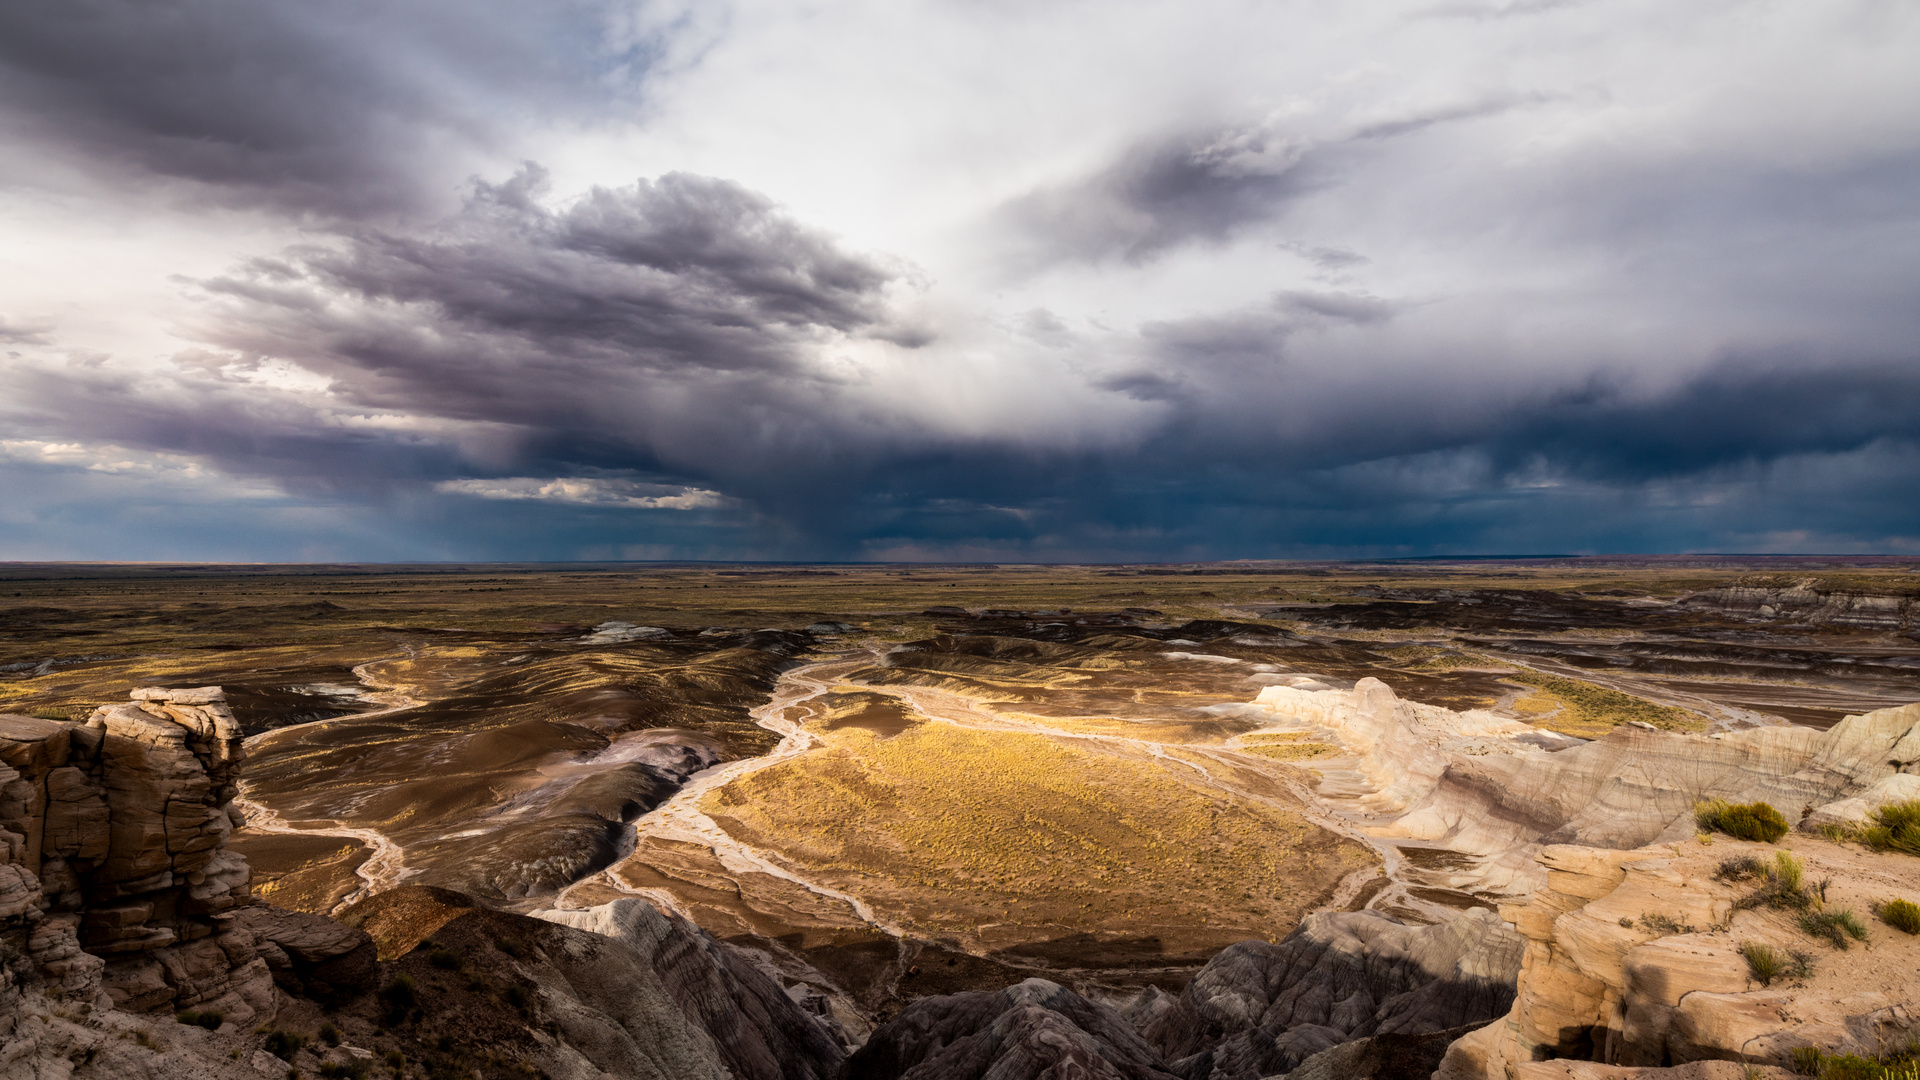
[[930, 796]]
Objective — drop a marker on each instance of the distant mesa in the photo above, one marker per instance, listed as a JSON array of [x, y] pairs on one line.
[[616, 632]]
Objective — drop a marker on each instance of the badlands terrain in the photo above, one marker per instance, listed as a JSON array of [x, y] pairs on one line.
[[1212, 821]]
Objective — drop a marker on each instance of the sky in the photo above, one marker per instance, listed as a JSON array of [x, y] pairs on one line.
[[957, 280]]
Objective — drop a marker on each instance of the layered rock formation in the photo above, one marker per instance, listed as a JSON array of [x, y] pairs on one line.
[[617, 990], [1031, 1030], [1805, 603], [1638, 786], [1259, 1008], [116, 880], [752, 1022], [117, 895], [1474, 783], [1402, 747], [1603, 982]]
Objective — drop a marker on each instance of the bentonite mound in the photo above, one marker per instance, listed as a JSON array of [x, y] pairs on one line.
[[1391, 1056], [1255, 1010], [759, 1030], [1034, 1029], [1259, 1008]]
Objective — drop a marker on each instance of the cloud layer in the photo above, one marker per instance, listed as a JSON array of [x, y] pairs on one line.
[[1234, 282]]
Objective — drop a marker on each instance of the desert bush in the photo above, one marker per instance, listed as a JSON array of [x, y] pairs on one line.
[[1739, 868], [1850, 1067], [1656, 923], [211, 1019], [1893, 827], [283, 1044], [445, 959], [1806, 1059], [398, 998], [1768, 963], [330, 1034], [346, 1070], [1742, 821], [1896, 827], [518, 997], [1788, 871], [1833, 927], [1782, 885], [1902, 915]]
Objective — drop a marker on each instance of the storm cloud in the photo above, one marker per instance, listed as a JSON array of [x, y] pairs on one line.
[[630, 280]]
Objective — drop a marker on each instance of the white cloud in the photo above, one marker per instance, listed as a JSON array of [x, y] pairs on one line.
[[588, 491]]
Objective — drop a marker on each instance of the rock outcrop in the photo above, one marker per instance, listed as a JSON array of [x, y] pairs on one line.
[[1476, 784], [756, 1028], [1806, 604], [1401, 747], [1259, 1008], [118, 897], [1638, 786], [1032, 1030], [116, 882], [1380, 1057], [1604, 982]]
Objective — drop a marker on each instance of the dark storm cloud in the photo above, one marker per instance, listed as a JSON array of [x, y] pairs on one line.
[[660, 325], [345, 107], [1746, 410], [1203, 186]]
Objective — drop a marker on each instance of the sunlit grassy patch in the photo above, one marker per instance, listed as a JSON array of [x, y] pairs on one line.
[[1289, 751], [1019, 828], [1584, 709]]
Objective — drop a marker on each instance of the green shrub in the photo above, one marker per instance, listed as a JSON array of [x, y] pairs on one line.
[[1783, 885], [1902, 915], [1788, 871], [1896, 828], [445, 959], [283, 1044], [1850, 1067], [1833, 927], [329, 1034], [1742, 821], [1768, 963], [1806, 1059]]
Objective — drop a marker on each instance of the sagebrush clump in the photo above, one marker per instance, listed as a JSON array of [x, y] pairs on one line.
[[1902, 915], [1768, 963], [1756, 821], [1893, 827]]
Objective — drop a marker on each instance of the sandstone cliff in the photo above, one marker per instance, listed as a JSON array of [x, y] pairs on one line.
[[1633, 958]]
